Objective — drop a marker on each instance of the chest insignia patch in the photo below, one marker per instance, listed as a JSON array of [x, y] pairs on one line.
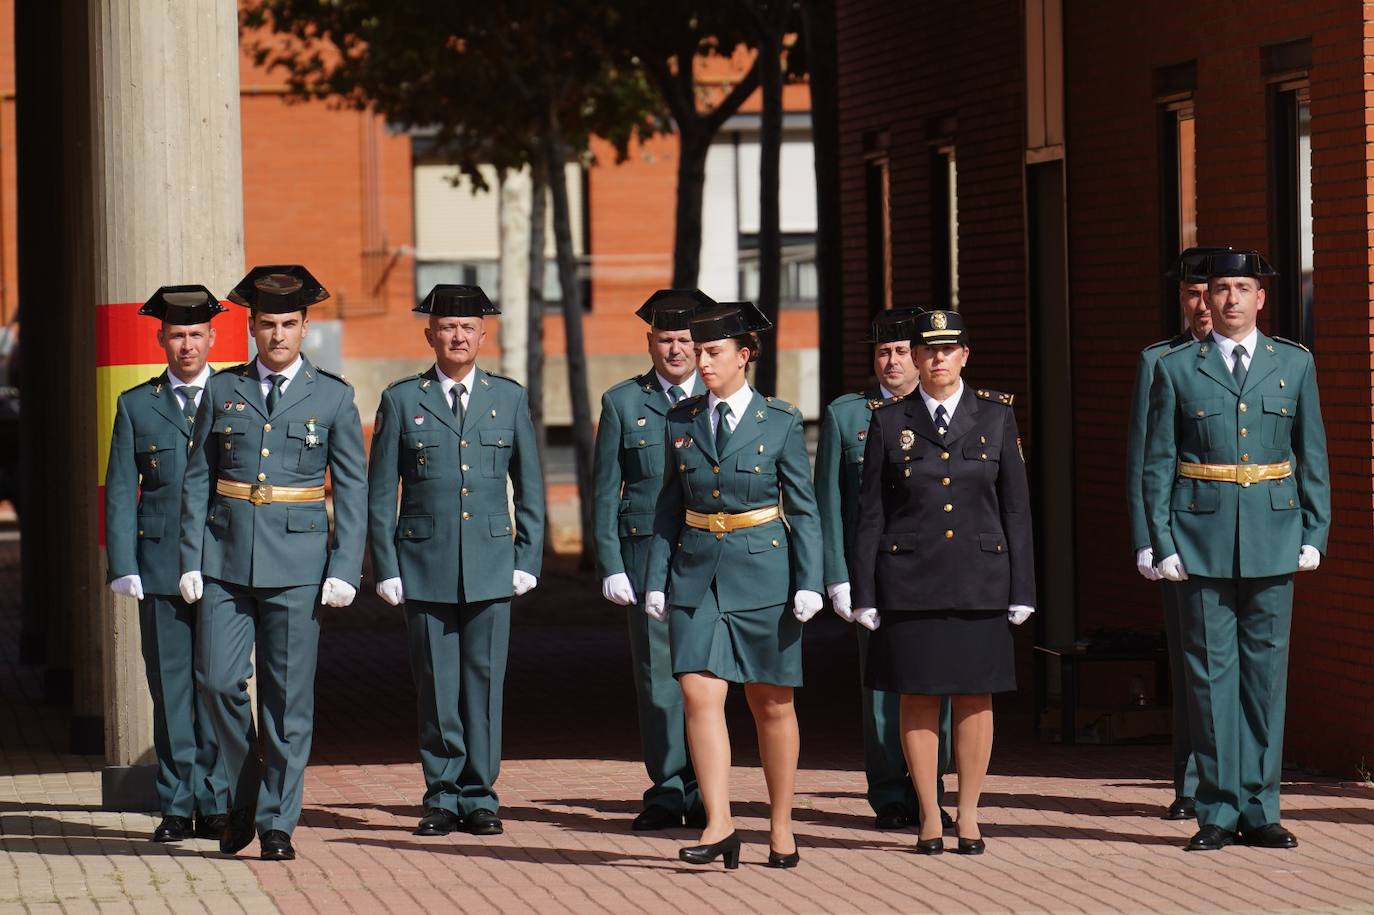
[[906, 439], [863, 434], [228, 405], [419, 420], [684, 442], [311, 439], [641, 421], [238, 407]]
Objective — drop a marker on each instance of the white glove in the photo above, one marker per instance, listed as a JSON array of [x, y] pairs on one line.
[[132, 586], [1145, 564], [191, 586], [1309, 557], [617, 589], [391, 591], [806, 604], [839, 599], [337, 593], [1171, 567], [1019, 613], [523, 582], [655, 606], [867, 618]]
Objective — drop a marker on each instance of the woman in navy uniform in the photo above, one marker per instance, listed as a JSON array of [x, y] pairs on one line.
[[730, 565], [943, 547]]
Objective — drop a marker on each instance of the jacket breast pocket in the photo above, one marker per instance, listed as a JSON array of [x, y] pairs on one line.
[[689, 472], [227, 439], [496, 445], [217, 521], [154, 454], [1283, 495], [992, 543], [761, 470], [307, 521], [309, 446], [498, 525], [643, 454], [898, 543], [1196, 496], [985, 453], [414, 527], [1279, 413], [150, 527], [1202, 423], [853, 454], [421, 456]]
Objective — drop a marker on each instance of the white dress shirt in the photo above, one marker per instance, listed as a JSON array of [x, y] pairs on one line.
[[738, 402], [290, 373], [447, 384], [1228, 347], [199, 381], [687, 386], [950, 404]]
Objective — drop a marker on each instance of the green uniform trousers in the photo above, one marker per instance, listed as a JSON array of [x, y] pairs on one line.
[[284, 625], [662, 728], [1185, 765], [190, 777], [1235, 643], [889, 781], [458, 659]]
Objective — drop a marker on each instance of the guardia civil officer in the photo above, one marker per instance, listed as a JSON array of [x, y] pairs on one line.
[[839, 467], [724, 566], [451, 437], [629, 474], [259, 553], [943, 560], [1192, 301], [153, 425], [1238, 498]]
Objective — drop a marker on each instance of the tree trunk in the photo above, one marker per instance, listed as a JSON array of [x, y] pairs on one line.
[[818, 21], [694, 142], [513, 210], [534, 340], [770, 219], [572, 322]]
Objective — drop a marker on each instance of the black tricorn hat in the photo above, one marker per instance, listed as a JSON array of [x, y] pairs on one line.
[[1184, 267], [1232, 263], [937, 328], [451, 300], [672, 309], [728, 319], [893, 324], [278, 289], [193, 304]]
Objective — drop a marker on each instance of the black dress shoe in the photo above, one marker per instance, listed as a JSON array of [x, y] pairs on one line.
[[483, 823], [438, 822], [238, 831], [893, 816], [705, 854], [654, 818], [173, 829], [972, 846], [1183, 808], [276, 846], [1270, 835], [935, 846], [1210, 838], [946, 821], [695, 818], [778, 860], [211, 826]]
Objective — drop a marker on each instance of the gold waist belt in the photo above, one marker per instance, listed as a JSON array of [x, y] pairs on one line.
[[264, 493], [1244, 474], [724, 522]]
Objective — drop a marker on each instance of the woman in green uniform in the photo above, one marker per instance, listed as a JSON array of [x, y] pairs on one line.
[[729, 565]]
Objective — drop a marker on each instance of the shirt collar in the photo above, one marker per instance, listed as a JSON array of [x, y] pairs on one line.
[[884, 393], [447, 383], [738, 401], [951, 404], [198, 381], [290, 371], [1228, 345], [687, 386]]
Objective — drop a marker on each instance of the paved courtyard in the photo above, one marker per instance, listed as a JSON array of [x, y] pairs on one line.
[[1068, 829]]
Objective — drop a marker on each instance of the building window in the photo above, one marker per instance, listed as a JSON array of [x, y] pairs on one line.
[[944, 229], [798, 286], [1290, 293], [1178, 198], [878, 211]]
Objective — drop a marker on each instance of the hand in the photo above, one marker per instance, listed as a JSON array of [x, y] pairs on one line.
[[337, 593], [132, 586], [1309, 557], [655, 606], [191, 586], [867, 618], [839, 599], [806, 604], [1145, 564], [617, 589], [1171, 567], [523, 582], [1019, 613], [391, 591]]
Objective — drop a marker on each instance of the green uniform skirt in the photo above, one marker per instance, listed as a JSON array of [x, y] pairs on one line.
[[742, 646]]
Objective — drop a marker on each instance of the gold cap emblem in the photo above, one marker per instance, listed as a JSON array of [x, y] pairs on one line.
[[938, 320]]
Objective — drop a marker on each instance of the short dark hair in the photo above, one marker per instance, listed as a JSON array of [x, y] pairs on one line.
[[751, 342]]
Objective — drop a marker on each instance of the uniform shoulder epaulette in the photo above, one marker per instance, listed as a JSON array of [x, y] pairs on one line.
[[1157, 344], [335, 375], [847, 399], [994, 396], [1174, 351], [780, 405], [399, 381], [877, 404], [1292, 343], [691, 404], [635, 381]]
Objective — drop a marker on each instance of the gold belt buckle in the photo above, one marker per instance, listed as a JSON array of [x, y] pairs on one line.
[[716, 523], [1247, 474], [260, 493]]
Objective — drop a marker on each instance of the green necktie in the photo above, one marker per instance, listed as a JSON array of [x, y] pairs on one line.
[[1238, 369], [274, 395], [188, 394], [675, 393], [458, 411], [722, 427]]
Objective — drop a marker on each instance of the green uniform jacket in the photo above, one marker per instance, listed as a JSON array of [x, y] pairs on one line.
[[1225, 530], [452, 542], [276, 544], [1135, 438], [143, 486], [839, 469], [752, 567], [628, 473]]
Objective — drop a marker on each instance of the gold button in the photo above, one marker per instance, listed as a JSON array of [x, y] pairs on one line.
[[493, 413], [1245, 485], [502, 441], [266, 427], [985, 455], [212, 517], [949, 535], [1243, 408], [465, 468], [944, 455], [641, 441], [261, 477], [228, 446], [463, 442], [907, 458], [312, 525], [760, 449], [716, 493], [775, 543], [140, 533], [1201, 412], [720, 536], [1245, 456], [634, 530], [715, 470], [464, 491], [228, 429], [265, 452], [906, 471], [945, 481], [467, 516], [152, 447], [681, 467], [409, 532], [1291, 503], [949, 507], [861, 459], [999, 547], [1283, 410], [1244, 432], [894, 547], [1192, 506]]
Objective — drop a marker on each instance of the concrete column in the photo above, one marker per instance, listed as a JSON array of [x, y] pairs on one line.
[[163, 204], [514, 210]]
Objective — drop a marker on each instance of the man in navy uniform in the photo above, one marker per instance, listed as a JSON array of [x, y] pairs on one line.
[[259, 552], [153, 426]]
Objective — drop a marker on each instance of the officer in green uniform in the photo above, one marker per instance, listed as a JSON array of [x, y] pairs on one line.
[[152, 433], [839, 467], [451, 437], [1238, 498], [258, 552], [629, 473], [1192, 300]]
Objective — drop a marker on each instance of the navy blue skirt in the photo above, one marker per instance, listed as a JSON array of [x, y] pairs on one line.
[[941, 653]]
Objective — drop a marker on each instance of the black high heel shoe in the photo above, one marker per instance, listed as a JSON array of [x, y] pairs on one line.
[[935, 846], [972, 846], [780, 860], [705, 854]]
